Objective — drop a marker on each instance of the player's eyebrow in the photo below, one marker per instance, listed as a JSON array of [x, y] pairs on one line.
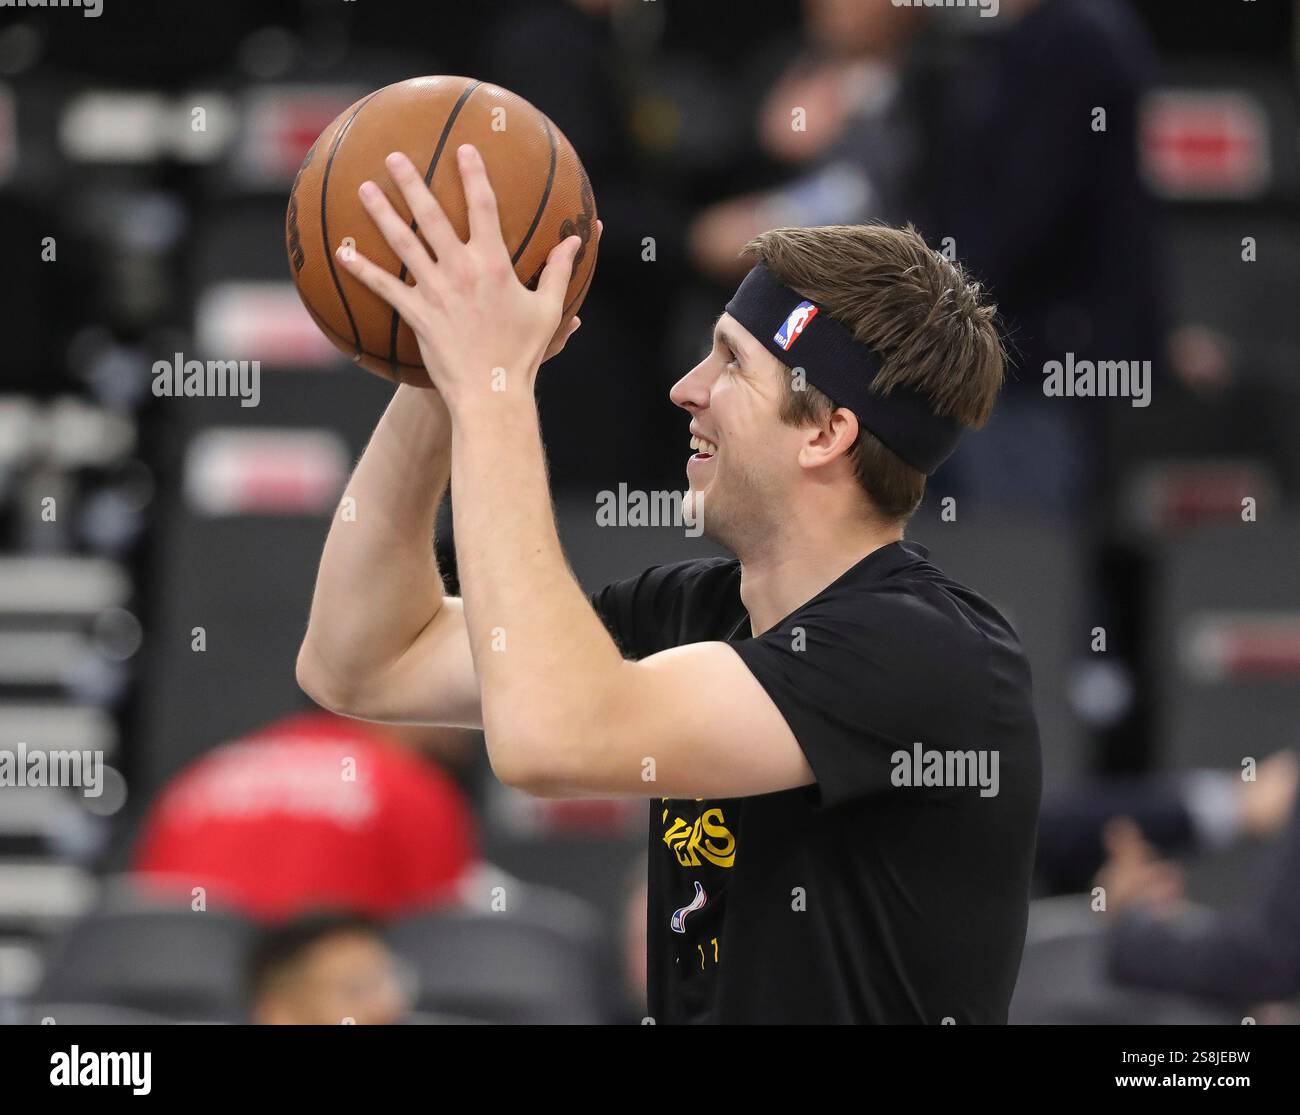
[[728, 339]]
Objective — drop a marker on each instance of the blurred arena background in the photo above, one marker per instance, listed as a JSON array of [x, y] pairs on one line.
[[157, 554]]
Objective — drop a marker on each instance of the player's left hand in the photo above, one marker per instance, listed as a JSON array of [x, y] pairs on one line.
[[480, 330]]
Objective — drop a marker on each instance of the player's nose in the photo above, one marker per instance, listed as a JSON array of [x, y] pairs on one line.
[[691, 392]]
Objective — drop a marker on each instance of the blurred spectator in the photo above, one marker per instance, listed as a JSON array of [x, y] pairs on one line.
[[312, 810], [1117, 819], [836, 116], [1159, 942], [1151, 956], [325, 970], [1042, 198]]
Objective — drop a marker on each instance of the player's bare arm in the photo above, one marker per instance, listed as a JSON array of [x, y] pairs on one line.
[[372, 638], [394, 647]]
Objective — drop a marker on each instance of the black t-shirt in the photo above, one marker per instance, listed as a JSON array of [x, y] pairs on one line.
[[896, 888]]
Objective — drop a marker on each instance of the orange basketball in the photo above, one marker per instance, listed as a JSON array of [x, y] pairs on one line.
[[543, 196]]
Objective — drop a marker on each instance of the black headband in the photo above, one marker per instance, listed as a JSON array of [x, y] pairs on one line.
[[800, 334]]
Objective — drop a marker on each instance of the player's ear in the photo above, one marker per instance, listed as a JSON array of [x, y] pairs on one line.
[[833, 437], [844, 429]]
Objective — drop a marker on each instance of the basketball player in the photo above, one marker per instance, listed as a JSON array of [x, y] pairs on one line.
[[837, 740]]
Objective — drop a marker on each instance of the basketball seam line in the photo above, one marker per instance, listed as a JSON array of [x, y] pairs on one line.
[[465, 95], [324, 220], [546, 195]]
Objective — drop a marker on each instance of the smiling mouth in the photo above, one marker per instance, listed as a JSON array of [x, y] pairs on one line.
[[704, 448]]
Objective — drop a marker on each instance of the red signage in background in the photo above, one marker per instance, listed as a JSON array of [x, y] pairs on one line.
[[1205, 144], [1166, 497], [1237, 647], [280, 124], [261, 320], [232, 471]]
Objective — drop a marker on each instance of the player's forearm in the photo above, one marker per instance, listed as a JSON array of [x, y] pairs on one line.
[[542, 657], [378, 585]]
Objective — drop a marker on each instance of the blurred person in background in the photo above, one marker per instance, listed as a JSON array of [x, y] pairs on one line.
[[848, 145], [1105, 820], [1135, 950], [1028, 161], [325, 969], [313, 810], [1161, 942]]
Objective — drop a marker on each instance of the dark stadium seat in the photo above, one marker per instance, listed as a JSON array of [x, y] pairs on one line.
[[501, 968], [133, 955]]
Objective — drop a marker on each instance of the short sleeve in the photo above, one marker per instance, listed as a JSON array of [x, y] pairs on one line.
[[623, 607], [665, 605], [859, 685]]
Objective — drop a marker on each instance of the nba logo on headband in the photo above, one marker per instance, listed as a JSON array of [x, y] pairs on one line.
[[795, 324]]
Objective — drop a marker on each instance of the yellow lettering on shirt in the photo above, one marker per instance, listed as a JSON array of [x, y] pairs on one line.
[[707, 837]]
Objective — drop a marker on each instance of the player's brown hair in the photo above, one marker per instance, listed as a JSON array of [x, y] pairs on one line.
[[916, 309]]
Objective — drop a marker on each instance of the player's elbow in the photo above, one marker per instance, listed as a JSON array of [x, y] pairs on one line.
[[311, 680], [523, 766], [315, 681], [534, 783], [540, 763]]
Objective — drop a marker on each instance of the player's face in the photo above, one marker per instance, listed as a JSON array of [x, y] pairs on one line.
[[743, 465]]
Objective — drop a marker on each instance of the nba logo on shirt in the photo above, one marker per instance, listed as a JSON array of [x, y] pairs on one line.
[[795, 324]]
